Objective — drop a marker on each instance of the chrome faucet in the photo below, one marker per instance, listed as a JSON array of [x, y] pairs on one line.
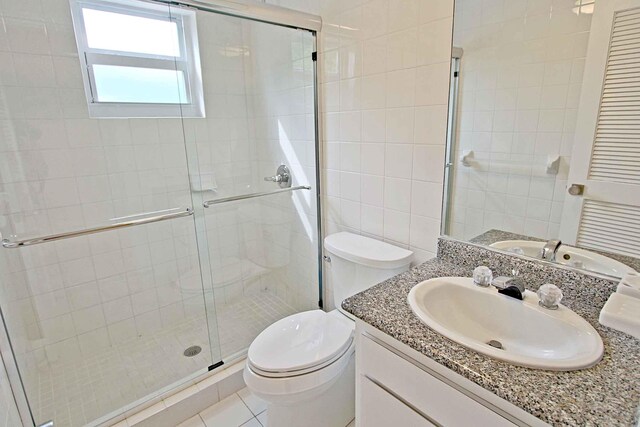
[[512, 286], [550, 250]]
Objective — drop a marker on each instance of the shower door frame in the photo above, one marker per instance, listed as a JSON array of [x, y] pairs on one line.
[[241, 9], [452, 139]]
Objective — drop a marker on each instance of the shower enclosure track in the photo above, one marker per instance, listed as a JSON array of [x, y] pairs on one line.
[[124, 224]]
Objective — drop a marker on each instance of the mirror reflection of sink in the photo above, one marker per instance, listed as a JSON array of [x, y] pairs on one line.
[[569, 256], [519, 332]]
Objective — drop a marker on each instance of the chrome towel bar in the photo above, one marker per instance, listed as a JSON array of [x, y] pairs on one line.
[[124, 224], [209, 203]]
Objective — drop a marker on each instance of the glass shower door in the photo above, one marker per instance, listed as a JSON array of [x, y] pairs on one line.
[[261, 235], [100, 283]]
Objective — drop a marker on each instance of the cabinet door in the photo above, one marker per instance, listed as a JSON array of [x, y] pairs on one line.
[[382, 409], [429, 395]]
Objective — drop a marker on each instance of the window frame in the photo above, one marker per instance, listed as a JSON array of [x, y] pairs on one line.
[[188, 62]]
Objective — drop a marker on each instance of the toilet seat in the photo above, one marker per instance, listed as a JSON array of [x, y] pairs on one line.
[[301, 387], [299, 344]]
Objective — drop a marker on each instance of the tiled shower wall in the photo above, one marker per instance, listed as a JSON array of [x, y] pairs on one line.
[[384, 86], [520, 80]]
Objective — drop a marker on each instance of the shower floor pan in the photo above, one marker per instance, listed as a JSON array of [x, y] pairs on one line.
[[79, 393]]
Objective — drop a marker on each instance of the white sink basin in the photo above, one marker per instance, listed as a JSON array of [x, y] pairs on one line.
[[530, 335], [570, 256]]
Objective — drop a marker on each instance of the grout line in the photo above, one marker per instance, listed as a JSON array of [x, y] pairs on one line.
[[248, 421], [245, 404]]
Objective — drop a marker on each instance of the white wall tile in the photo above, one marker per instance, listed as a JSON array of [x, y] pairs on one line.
[[372, 192], [88, 319], [397, 226], [372, 218], [27, 36], [374, 125], [373, 91], [427, 163], [400, 125], [373, 158], [423, 199], [350, 126], [350, 186], [375, 54], [430, 124], [396, 80], [397, 194], [401, 88]]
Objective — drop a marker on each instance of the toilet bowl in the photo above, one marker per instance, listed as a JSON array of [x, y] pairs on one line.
[[303, 366]]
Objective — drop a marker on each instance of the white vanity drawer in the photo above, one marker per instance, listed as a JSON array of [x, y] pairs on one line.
[[433, 398], [384, 410]]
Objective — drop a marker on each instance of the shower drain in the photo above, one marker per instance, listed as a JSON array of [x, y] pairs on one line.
[[192, 351]]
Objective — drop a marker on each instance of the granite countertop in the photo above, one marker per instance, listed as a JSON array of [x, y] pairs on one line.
[[607, 394], [492, 236]]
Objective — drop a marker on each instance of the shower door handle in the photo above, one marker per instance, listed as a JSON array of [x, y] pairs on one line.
[[282, 177]]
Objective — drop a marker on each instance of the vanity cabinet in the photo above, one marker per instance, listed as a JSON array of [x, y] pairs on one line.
[[393, 388]]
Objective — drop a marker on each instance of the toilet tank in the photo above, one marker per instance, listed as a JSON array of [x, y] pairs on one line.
[[359, 262]]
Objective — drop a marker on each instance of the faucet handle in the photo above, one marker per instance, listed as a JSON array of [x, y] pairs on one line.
[[550, 296], [282, 177], [482, 276]]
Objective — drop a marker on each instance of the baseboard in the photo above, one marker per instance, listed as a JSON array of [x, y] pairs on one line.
[[176, 407]]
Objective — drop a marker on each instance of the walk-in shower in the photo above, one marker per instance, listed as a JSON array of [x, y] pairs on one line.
[[158, 194]]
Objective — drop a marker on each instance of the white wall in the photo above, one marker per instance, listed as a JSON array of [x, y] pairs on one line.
[[520, 81], [384, 85]]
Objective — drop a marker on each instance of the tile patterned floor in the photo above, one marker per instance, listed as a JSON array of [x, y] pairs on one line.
[[241, 409], [75, 394], [240, 323]]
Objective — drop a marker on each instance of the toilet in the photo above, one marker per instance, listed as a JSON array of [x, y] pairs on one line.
[[303, 366]]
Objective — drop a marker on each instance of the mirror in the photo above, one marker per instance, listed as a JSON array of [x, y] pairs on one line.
[[543, 150]]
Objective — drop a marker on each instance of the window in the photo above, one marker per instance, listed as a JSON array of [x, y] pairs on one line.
[[140, 59], [584, 6]]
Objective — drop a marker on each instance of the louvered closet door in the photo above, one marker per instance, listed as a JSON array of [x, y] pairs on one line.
[[606, 152]]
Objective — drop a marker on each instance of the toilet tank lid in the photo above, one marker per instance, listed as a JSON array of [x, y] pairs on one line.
[[366, 251]]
